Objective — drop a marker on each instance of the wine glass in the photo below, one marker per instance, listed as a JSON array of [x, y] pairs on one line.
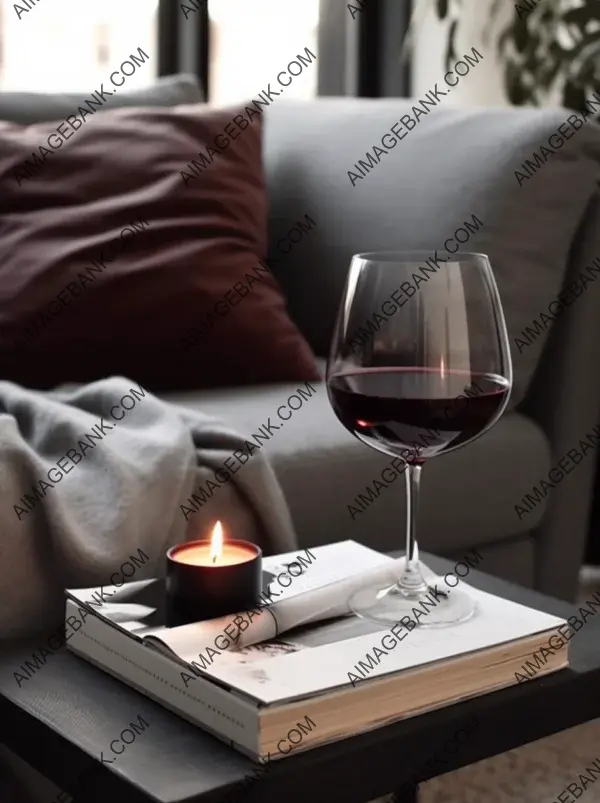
[[419, 366]]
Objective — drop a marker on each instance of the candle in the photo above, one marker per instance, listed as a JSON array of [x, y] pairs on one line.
[[202, 555], [214, 552], [211, 578]]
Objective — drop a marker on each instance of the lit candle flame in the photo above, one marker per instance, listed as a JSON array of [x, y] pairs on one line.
[[216, 542]]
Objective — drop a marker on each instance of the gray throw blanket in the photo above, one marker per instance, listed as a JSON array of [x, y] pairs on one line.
[[101, 480]]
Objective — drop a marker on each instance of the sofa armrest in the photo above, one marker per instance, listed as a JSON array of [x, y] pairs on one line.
[[564, 399]]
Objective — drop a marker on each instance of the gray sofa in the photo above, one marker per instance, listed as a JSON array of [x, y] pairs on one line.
[[451, 166], [538, 238]]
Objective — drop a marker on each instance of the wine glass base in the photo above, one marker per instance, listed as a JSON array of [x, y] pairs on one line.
[[439, 606]]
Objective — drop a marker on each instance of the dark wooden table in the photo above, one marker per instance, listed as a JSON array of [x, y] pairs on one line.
[[61, 720]]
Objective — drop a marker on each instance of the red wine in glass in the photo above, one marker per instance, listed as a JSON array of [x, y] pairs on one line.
[[417, 408], [416, 375]]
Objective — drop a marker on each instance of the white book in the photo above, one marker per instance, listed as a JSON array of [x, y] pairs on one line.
[[315, 683]]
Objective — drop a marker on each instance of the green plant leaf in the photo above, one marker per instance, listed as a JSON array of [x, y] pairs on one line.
[[528, 49], [582, 16], [521, 36], [503, 40], [549, 73], [586, 48], [442, 9], [515, 88], [451, 47], [586, 75], [574, 96], [557, 52]]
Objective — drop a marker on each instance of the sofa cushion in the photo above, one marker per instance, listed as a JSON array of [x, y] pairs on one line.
[[415, 193], [26, 108], [119, 256], [468, 497]]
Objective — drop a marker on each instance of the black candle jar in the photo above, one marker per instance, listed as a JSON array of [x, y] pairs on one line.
[[199, 587]]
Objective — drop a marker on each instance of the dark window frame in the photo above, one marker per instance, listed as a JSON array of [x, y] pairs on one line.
[[358, 57], [362, 56], [184, 43]]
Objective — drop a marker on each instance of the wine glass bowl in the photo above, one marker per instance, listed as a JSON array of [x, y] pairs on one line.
[[419, 366]]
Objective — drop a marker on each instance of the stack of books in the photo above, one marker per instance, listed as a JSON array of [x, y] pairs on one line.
[[322, 680]]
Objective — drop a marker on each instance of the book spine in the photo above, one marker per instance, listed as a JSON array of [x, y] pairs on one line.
[[203, 703]]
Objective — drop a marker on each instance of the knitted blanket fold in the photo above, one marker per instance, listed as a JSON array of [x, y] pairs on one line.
[[96, 483]]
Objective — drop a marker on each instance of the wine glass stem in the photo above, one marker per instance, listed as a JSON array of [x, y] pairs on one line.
[[412, 580]]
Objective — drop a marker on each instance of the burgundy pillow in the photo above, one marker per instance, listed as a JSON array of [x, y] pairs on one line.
[[133, 244]]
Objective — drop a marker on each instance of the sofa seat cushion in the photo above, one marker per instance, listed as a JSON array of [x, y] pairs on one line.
[[468, 496]]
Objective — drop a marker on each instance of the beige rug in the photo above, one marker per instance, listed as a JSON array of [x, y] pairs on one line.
[[535, 773]]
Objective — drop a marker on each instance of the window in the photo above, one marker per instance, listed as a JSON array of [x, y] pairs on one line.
[[251, 41], [72, 45], [235, 47]]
